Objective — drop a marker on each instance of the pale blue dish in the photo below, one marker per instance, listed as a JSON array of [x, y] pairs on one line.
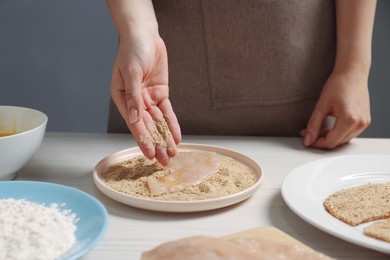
[[92, 216]]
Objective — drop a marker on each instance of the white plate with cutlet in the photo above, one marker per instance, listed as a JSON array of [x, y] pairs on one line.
[[307, 187]]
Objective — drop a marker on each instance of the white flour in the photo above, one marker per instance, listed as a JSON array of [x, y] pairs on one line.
[[33, 231]]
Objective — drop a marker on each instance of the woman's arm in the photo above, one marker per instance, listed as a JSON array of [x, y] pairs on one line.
[[355, 21], [133, 15], [139, 85], [345, 95]]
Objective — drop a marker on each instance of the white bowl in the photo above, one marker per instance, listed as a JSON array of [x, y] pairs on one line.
[[26, 128]]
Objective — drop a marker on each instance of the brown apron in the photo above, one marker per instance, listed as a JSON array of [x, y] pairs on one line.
[[244, 67]]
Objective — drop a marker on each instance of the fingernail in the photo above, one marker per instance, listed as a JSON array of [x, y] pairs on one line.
[[133, 115], [171, 149], [307, 140]]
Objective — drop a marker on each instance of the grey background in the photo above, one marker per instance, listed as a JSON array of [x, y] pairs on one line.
[[56, 56]]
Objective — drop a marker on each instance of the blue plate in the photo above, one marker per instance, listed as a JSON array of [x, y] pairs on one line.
[[91, 214]]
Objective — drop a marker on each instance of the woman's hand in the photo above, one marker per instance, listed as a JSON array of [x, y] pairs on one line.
[[139, 85], [139, 88], [345, 94], [344, 97]]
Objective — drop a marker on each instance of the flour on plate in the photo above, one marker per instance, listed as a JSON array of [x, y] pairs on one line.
[[34, 231]]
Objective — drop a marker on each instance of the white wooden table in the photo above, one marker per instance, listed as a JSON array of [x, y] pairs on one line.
[[69, 158]]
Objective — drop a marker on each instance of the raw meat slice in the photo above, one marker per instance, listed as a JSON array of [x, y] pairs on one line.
[[185, 169], [208, 248]]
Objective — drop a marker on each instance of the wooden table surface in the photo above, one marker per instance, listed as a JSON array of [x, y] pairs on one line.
[[69, 159]]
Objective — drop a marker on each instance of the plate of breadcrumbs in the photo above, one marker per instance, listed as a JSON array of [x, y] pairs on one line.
[[198, 178], [346, 196]]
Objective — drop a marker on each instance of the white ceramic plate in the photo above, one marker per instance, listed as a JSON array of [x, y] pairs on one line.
[[176, 206], [305, 188]]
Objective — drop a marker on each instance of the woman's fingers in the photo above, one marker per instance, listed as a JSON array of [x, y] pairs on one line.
[[173, 124], [345, 128], [153, 136], [140, 132], [314, 126], [164, 143], [132, 77], [334, 137]]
